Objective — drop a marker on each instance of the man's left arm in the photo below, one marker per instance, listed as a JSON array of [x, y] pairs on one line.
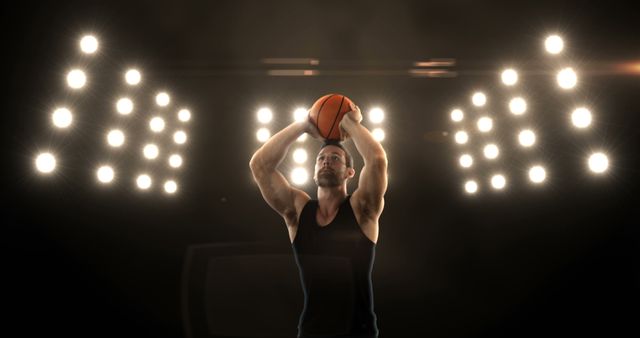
[[373, 177]]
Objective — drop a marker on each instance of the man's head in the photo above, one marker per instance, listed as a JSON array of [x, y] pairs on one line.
[[334, 165]]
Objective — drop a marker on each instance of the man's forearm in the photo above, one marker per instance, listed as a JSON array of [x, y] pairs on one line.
[[275, 149], [367, 146]]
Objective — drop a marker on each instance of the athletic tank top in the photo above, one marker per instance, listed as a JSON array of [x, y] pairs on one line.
[[335, 263]]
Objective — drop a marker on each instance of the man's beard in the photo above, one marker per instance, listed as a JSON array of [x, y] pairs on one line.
[[328, 179]]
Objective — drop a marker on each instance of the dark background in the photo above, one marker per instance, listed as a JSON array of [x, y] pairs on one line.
[[84, 260]]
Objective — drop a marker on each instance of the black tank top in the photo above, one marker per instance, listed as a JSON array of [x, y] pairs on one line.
[[335, 263]]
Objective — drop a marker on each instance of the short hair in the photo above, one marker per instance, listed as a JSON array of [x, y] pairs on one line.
[[347, 154]]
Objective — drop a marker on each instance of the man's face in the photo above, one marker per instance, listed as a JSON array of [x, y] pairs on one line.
[[331, 169]]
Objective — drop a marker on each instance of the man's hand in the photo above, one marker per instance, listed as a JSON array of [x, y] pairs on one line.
[[355, 115], [311, 129]]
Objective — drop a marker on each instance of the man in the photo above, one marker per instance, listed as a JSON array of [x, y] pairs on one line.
[[333, 237]]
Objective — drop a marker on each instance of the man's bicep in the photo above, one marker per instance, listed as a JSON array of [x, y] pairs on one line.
[[372, 186], [279, 194]]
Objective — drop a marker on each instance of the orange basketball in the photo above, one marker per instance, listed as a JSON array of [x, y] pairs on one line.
[[327, 112]]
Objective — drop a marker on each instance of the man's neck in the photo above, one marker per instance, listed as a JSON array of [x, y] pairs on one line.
[[330, 198]]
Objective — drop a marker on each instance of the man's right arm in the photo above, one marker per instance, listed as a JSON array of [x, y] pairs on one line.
[[277, 192]]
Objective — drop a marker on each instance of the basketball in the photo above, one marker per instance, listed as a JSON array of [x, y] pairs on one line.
[[327, 112]]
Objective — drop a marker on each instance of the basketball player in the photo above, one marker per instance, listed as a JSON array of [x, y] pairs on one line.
[[333, 237]]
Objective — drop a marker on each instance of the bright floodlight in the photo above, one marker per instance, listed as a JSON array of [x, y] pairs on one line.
[[300, 114], [491, 151], [150, 151], [567, 78], [45, 163], [184, 115], [300, 155], [509, 77], [554, 44], [263, 134], [143, 181], [485, 124], [301, 138], [378, 134], [457, 115], [471, 187], [581, 118], [162, 99], [132, 77], [498, 181], [527, 138], [376, 115], [466, 161], [180, 137], [517, 106], [89, 44], [170, 187], [115, 138], [175, 161], [124, 106], [264, 115], [461, 137], [479, 99], [156, 124], [76, 79], [537, 174], [299, 176], [105, 174], [598, 163], [62, 118]]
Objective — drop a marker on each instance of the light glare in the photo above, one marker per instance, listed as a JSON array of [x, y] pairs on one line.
[[457, 115], [527, 138], [115, 138], [45, 163], [184, 115], [89, 44], [62, 118], [509, 77], [163, 99], [598, 163], [299, 176], [105, 174], [143, 181], [263, 134], [151, 151], [554, 44], [132, 77], [466, 161], [175, 161], [170, 187], [581, 118], [485, 124], [537, 174], [124, 106], [518, 106], [479, 99], [376, 115], [567, 78], [378, 134], [491, 151], [471, 187], [461, 137], [300, 156], [265, 115], [300, 114], [180, 137], [498, 181], [76, 79], [156, 124]]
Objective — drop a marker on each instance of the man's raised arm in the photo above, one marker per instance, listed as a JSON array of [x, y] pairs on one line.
[[373, 177], [275, 189]]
